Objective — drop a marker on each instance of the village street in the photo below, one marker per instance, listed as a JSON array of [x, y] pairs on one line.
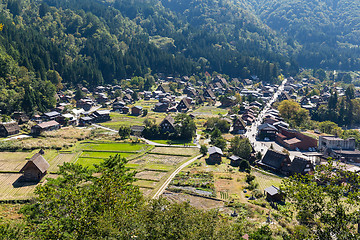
[[262, 146]]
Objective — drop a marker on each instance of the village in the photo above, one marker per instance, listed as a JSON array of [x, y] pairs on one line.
[[184, 138]]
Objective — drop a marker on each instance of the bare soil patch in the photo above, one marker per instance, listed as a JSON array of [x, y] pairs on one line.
[[150, 175], [198, 202]]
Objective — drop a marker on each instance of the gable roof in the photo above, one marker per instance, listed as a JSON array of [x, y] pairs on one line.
[[272, 190], [39, 161], [11, 127], [267, 126], [299, 164], [274, 159], [48, 124], [214, 149], [169, 119]]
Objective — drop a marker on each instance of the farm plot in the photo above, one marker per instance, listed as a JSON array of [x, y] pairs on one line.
[[103, 155], [150, 175], [12, 189], [146, 183], [118, 119], [113, 147], [159, 159], [266, 180], [60, 160], [198, 202], [209, 111], [176, 151], [12, 161]]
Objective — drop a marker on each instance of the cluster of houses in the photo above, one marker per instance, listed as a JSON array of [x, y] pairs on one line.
[[275, 129]]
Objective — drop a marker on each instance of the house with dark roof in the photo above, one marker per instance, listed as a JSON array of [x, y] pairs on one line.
[[235, 160], [165, 88], [273, 194], [51, 115], [85, 103], [215, 155], [8, 129], [301, 166], [136, 130], [276, 161], [183, 105], [20, 117], [267, 131], [167, 125], [208, 93], [35, 168], [238, 126], [161, 107], [127, 98], [136, 110], [101, 116]]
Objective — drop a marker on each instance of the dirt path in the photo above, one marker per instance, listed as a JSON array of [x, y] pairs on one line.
[[167, 182]]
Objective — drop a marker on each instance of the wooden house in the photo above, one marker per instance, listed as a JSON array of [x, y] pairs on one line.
[[136, 110], [301, 166], [167, 125], [35, 168], [215, 155], [235, 161], [183, 105], [51, 115], [238, 126], [276, 161], [45, 126], [165, 88], [136, 130], [101, 116], [8, 129], [208, 93], [20, 117], [267, 131]]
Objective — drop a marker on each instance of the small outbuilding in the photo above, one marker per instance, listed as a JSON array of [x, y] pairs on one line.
[[35, 168], [215, 155], [273, 194], [136, 110]]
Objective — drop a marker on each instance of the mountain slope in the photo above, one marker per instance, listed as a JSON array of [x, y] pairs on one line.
[[328, 30]]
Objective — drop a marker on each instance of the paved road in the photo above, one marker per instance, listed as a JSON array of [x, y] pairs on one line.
[[167, 182], [262, 146]]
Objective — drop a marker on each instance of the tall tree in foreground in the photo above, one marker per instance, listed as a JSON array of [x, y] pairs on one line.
[[327, 203]]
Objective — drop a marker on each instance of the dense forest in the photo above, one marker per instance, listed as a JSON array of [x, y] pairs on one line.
[[92, 42]]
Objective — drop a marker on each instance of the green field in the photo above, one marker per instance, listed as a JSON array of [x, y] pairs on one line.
[[210, 111], [103, 154], [266, 180], [118, 119], [114, 147]]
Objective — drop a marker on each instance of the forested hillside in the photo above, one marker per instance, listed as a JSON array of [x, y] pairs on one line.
[[92, 42], [328, 30]]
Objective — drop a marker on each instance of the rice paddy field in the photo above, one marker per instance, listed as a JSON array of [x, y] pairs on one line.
[[152, 164]]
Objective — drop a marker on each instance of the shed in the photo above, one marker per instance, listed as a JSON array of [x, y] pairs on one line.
[[35, 168], [273, 194], [136, 110]]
